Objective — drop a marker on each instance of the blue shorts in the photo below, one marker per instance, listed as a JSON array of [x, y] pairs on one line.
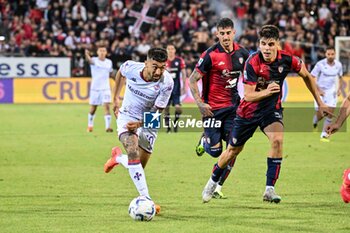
[[244, 129], [174, 99], [226, 116]]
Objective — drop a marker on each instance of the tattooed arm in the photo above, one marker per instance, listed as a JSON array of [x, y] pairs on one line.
[[204, 108]]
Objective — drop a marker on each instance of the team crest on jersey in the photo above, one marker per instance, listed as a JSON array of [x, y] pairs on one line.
[[176, 63], [280, 69], [240, 60], [234, 140], [133, 79], [156, 87]]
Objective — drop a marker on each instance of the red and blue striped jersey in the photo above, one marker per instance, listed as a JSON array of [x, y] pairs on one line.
[[221, 72], [261, 73]]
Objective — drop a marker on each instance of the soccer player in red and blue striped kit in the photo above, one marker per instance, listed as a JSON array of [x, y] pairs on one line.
[[264, 74], [219, 67]]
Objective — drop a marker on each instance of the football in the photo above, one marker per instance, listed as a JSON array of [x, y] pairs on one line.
[[142, 208]]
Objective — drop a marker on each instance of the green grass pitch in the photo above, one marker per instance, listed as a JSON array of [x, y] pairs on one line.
[[52, 180]]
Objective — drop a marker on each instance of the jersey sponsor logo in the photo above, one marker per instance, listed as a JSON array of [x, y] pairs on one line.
[[139, 93], [151, 120], [231, 83], [232, 77], [280, 69], [241, 60], [221, 63], [200, 62], [133, 79]]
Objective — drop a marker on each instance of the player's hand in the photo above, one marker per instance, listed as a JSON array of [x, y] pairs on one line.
[[273, 88], [116, 106], [324, 111], [205, 110], [133, 125], [332, 128], [338, 92]]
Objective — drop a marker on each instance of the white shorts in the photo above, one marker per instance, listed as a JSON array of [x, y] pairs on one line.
[[100, 97], [329, 98], [147, 137]]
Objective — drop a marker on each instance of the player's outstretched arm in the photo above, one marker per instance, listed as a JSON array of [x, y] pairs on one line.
[[343, 114], [88, 57], [119, 83], [184, 77], [204, 108]]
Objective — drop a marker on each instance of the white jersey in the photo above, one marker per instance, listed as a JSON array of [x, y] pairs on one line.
[[140, 95], [100, 74], [327, 75]]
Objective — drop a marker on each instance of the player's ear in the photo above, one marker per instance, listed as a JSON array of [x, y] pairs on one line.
[[278, 44]]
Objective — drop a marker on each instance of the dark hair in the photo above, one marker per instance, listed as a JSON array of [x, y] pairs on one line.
[[157, 54], [330, 48], [225, 23], [101, 45], [269, 31]]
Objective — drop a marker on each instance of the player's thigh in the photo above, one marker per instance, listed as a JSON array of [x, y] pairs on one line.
[[176, 100], [122, 121], [213, 136], [147, 139], [273, 128], [330, 99], [95, 97], [106, 96], [228, 123], [242, 130]]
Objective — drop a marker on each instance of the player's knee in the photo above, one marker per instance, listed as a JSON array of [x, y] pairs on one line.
[[277, 142], [214, 151], [178, 111], [232, 152]]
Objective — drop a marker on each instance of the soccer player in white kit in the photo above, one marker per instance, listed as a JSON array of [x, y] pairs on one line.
[[100, 90], [328, 73], [148, 89]]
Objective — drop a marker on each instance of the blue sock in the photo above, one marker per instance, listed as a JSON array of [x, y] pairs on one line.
[[273, 170], [217, 172], [226, 172]]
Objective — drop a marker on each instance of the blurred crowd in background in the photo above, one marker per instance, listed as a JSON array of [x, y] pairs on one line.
[[65, 28]]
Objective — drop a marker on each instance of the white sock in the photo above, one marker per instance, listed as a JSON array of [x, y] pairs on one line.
[[123, 160], [315, 121], [326, 122], [91, 120], [108, 121], [269, 187], [137, 175], [218, 188]]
